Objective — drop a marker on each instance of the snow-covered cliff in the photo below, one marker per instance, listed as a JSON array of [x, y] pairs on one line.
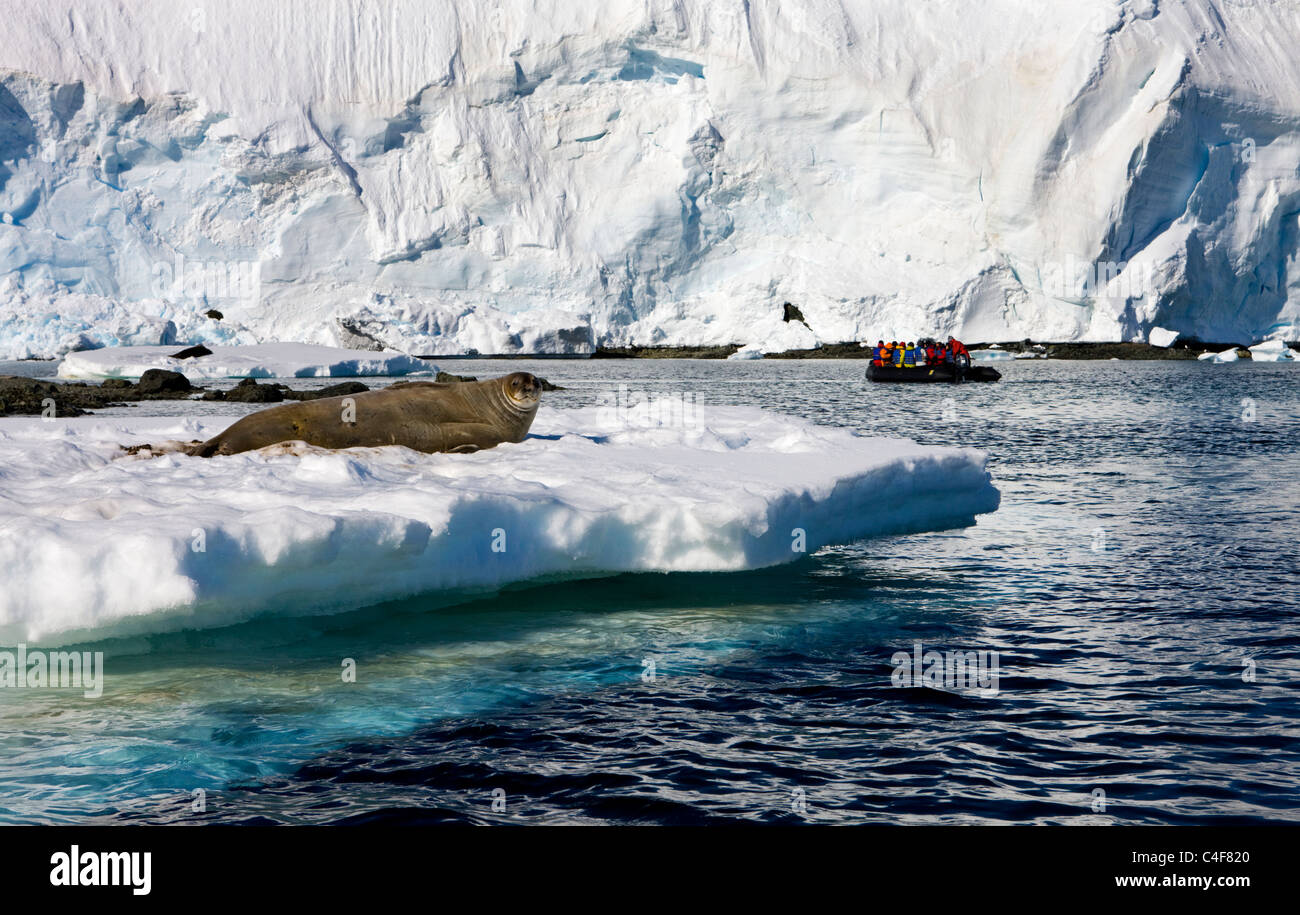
[[546, 175]]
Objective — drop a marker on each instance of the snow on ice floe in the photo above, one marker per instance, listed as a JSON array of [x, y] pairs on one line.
[[263, 360], [95, 544]]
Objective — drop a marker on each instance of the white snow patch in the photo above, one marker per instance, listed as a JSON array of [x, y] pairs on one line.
[[93, 543], [1161, 337], [265, 360]]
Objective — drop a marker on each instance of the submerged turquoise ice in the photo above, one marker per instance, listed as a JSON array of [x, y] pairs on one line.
[[1139, 559]]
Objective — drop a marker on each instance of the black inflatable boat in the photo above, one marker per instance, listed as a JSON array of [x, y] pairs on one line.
[[932, 373]]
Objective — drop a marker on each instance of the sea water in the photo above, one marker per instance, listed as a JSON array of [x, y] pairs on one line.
[[1137, 591]]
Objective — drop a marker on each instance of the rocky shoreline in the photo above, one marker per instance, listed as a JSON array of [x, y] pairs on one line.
[[22, 396], [1190, 349]]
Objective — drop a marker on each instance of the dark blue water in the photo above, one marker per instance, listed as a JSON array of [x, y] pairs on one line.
[[1139, 586]]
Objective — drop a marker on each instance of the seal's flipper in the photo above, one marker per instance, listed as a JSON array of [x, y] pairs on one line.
[[203, 449], [466, 438]]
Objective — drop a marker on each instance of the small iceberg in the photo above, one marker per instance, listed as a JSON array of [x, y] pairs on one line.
[[1228, 355], [261, 360], [752, 351], [94, 543], [1272, 351]]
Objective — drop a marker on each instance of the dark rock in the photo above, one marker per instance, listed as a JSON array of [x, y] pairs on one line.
[[791, 312], [74, 398], [665, 352], [249, 391], [1114, 351], [214, 395], [353, 337], [193, 352], [340, 390], [30, 396], [161, 381], [214, 314]]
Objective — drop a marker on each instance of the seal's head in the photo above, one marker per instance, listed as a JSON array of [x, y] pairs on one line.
[[522, 389]]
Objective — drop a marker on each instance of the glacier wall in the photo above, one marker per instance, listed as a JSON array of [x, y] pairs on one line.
[[548, 175]]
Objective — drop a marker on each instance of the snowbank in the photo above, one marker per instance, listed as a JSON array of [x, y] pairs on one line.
[[92, 543], [747, 352], [265, 360]]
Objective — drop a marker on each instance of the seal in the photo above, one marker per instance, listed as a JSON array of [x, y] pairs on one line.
[[429, 416]]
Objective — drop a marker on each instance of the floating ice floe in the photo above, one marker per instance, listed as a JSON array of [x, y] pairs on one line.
[[94, 543], [1272, 351], [991, 355], [262, 360], [1228, 355]]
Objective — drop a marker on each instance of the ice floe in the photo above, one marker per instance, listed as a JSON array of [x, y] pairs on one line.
[[263, 360], [95, 543], [1272, 351]]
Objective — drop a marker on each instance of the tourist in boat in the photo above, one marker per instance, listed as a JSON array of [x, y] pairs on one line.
[[960, 355], [878, 354]]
